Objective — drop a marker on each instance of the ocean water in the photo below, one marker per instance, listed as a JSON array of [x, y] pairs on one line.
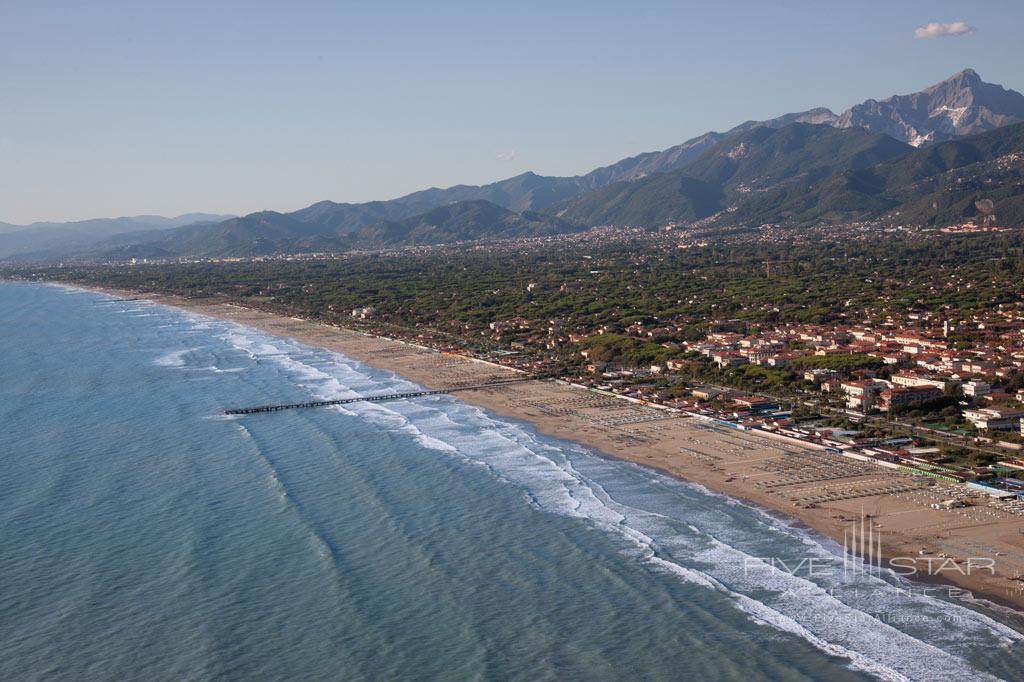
[[147, 536]]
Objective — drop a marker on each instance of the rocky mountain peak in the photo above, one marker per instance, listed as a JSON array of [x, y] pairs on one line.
[[963, 104]]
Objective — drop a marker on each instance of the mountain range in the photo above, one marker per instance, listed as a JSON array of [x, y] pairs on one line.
[[268, 232], [807, 166], [938, 185], [743, 164], [56, 240]]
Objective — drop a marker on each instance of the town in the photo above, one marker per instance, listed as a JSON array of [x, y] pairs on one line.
[[901, 346]]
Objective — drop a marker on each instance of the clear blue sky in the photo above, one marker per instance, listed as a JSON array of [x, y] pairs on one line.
[[115, 108]]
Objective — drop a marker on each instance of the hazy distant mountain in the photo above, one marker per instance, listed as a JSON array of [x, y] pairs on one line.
[[742, 164], [56, 240], [257, 234], [122, 224], [268, 232]]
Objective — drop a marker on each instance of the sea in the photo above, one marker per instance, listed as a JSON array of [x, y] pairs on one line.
[[144, 535]]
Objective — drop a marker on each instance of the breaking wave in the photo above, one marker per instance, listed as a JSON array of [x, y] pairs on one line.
[[678, 528]]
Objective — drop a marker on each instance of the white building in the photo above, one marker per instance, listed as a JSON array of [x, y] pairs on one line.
[[916, 380], [976, 389], [994, 419]]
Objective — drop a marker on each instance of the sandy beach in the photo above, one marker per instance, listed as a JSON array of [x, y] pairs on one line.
[[881, 514]]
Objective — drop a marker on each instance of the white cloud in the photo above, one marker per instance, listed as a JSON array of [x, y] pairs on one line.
[[957, 28], [507, 156]]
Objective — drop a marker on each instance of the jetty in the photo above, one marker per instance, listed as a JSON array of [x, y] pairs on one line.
[[376, 398]]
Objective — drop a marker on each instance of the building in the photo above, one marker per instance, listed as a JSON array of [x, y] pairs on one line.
[[759, 356], [706, 392], [820, 375], [915, 380], [976, 389], [907, 395], [728, 359], [756, 403], [860, 395], [994, 419]]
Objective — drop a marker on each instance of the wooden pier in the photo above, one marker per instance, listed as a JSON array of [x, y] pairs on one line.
[[373, 398]]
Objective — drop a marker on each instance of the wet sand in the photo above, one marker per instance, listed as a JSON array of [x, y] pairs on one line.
[[880, 513]]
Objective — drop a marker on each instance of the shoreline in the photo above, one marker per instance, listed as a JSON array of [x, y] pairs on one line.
[[677, 445]]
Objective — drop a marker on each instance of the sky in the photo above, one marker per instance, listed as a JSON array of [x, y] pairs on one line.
[[115, 108]]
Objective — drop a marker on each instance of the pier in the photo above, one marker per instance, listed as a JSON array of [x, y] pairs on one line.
[[374, 398]]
